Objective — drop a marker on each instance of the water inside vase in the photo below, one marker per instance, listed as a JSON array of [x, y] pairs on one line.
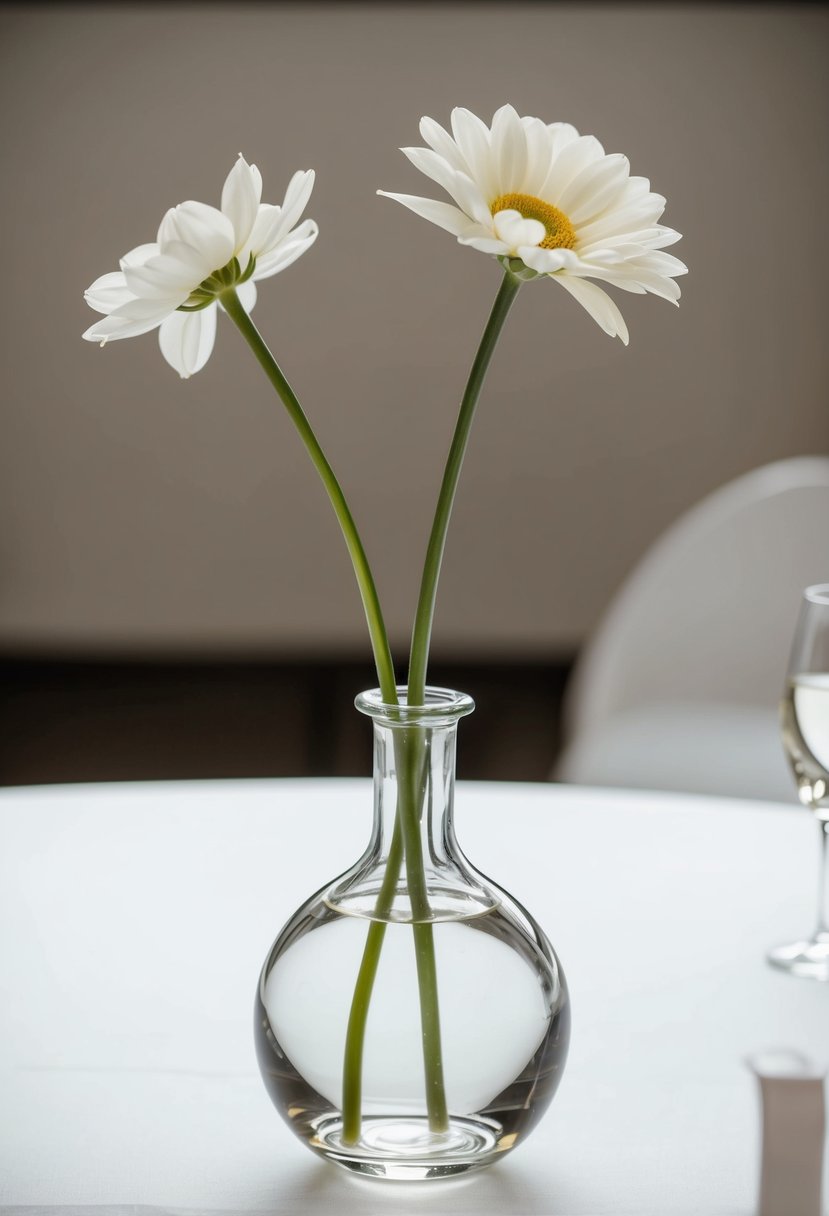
[[504, 1023]]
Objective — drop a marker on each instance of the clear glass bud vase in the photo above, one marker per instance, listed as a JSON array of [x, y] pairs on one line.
[[411, 1019]]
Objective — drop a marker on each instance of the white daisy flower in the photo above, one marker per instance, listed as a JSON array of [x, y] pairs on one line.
[[548, 201], [174, 283]]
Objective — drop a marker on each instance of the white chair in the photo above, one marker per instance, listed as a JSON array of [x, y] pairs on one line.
[[679, 687]]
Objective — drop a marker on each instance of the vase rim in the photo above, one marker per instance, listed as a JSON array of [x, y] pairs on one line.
[[443, 705], [818, 593]]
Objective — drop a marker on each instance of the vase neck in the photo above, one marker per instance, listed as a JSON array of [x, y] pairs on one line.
[[417, 762], [414, 784]]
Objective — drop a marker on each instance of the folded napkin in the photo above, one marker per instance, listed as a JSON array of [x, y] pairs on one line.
[[794, 1129]]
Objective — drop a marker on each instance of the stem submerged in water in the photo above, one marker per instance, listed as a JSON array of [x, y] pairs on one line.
[[411, 756]]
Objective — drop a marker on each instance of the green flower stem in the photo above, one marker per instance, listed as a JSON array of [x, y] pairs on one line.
[[408, 818], [422, 633], [365, 579], [410, 759], [411, 755], [356, 1032]]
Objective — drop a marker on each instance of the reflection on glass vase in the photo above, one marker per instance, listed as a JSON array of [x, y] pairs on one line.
[[411, 1019]]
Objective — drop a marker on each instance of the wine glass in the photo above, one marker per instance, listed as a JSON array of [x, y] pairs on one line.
[[804, 719]]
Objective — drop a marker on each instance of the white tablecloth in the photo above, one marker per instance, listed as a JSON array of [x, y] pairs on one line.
[[134, 920]]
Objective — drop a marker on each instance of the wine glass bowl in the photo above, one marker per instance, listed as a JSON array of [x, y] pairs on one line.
[[804, 720], [804, 716]]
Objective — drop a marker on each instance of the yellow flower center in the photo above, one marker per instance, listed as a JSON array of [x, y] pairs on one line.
[[560, 232]]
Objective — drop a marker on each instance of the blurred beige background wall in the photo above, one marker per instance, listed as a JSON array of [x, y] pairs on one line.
[[142, 513]]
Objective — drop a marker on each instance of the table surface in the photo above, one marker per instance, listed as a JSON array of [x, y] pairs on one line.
[[134, 920]]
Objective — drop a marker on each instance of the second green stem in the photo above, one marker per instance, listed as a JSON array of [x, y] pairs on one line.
[[425, 615]]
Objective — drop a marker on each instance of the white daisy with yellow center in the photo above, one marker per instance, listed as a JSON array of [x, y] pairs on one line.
[[548, 201], [174, 283]]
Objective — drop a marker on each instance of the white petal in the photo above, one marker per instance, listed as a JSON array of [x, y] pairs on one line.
[[661, 237], [485, 244], [597, 187], [486, 231], [539, 154], [638, 278], [473, 138], [186, 339], [140, 309], [655, 237], [247, 295], [107, 330], [460, 187], [168, 229], [189, 264], [287, 252], [562, 134], [114, 326], [443, 214], [204, 228], [606, 276], [514, 230], [432, 164], [568, 163], [598, 303], [637, 270], [509, 149], [589, 268], [241, 194], [108, 292], [296, 197], [629, 285], [657, 285], [139, 255], [545, 261], [603, 258], [264, 234], [273, 224], [663, 263], [161, 277], [102, 331], [638, 188], [625, 217], [443, 143], [468, 196]]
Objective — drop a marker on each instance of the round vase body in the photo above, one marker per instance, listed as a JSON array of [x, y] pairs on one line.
[[411, 1019]]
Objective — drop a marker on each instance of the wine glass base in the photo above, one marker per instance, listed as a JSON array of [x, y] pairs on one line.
[[808, 959]]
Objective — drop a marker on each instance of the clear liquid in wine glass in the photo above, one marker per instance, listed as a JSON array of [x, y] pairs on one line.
[[805, 728]]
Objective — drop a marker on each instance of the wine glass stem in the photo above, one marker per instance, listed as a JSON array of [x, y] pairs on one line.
[[822, 931]]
